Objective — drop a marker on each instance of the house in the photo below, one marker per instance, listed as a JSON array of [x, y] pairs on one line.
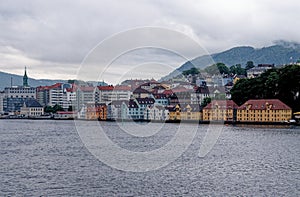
[[264, 110], [96, 111], [256, 71], [156, 112], [134, 111], [161, 99], [199, 94], [32, 108], [143, 103], [191, 112], [116, 110], [141, 93], [174, 112], [238, 77], [220, 110]]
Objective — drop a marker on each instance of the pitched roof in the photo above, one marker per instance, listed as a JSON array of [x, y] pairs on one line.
[[261, 104], [145, 100], [118, 103], [132, 104], [57, 85], [122, 88], [32, 103], [222, 104], [106, 88], [87, 88], [140, 91]]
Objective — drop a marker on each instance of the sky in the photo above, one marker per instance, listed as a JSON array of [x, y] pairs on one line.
[[61, 39]]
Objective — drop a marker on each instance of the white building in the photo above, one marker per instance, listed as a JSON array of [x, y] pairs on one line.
[[32, 108], [117, 110], [2, 94], [84, 95], [107, 94], [156, 112]]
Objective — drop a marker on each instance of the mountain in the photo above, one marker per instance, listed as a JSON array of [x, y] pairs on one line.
[[5, 81], [281, 53]]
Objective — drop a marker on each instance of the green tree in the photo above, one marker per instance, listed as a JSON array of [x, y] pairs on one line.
[[237, 69], [205, 101], [282, 84], [70, 108], [192, 71], [57, 108], [249, 65], [48, 109], [218, 68]]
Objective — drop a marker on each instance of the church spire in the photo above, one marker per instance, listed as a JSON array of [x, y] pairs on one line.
[[25, 79]]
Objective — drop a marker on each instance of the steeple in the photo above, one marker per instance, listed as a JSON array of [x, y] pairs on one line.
[[25, 79]]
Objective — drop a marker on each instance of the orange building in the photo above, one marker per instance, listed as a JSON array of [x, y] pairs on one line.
[[97, 111]]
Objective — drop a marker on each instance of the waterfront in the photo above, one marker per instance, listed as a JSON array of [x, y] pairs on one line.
[[47, 157]]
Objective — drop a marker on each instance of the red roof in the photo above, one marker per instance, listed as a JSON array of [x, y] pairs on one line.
[[57, 85], [107, 88], [223, 104], [122, 88], [261, 104], [87, 89]]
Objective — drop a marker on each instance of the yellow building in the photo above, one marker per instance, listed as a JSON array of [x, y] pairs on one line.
[[191, 112], [264, 110], [174, 113], [220, 110]]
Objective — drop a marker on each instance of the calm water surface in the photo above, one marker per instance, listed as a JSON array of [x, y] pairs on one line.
[[48, 158]]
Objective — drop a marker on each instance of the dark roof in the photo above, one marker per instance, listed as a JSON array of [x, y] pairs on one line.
[[132, 104], [140, 90], [202, 90], [194, 108], [160, 96], [32, 103], [145, 100]]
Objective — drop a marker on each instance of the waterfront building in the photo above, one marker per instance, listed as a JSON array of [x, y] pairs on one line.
[[264, 110], [15, 96], [96, 111], [133, 110], [220, 110], [2, 95], [191, 112], [143, 103], [116, 110], [32, 108], [156, 112], [174, 112], [68, 97]]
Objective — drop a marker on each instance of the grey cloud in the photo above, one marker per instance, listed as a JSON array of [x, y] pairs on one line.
[[60, 33]]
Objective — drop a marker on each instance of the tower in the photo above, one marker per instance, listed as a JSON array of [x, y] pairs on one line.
[[25, 79]]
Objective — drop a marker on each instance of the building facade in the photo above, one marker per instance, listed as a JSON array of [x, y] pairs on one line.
[[264, 110], [32, 108], [220, 110]]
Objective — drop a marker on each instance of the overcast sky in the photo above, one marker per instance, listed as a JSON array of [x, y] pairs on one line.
[[52, 38]]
